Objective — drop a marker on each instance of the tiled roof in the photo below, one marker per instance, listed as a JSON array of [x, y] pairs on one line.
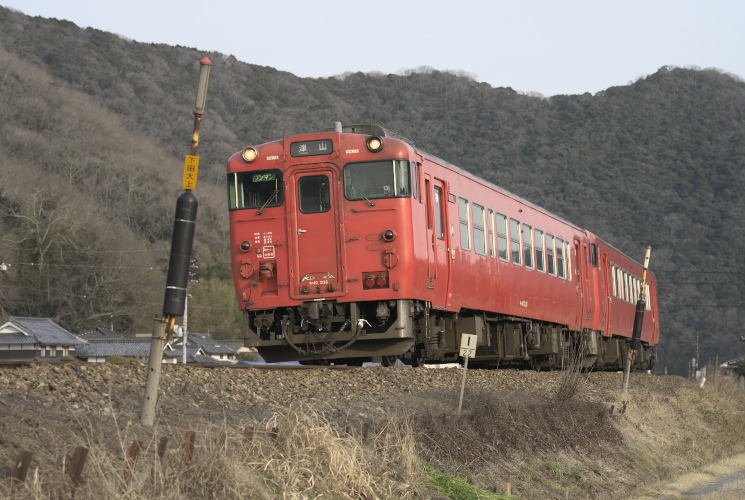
[[16, 338], [101, 333], [127, 348], [45, 331], [208, 344], [192, 352], [232, 344]]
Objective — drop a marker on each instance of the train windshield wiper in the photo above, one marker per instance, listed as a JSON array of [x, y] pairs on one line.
[[367, 200], [261, 210]]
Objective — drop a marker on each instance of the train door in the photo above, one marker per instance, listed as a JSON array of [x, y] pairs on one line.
[[604, 292], [317, 266], [431, 241], [437, 240], [584, 289]]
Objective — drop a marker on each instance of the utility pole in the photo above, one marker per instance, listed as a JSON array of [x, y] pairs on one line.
[[174, 303], [185, 334]]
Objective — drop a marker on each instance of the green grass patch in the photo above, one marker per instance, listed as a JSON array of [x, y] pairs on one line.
[[458, 489]]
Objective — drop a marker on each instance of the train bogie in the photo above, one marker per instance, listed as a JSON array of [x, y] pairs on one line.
[[354, 245]]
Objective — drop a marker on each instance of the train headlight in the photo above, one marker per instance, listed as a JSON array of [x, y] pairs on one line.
[[250, 154], [245, 246], [389, 235], [375, 144]]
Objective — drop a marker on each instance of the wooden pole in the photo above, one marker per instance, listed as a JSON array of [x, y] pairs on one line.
[[463, 385]]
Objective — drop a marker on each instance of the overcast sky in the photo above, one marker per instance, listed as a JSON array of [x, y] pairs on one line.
[[546, 46]]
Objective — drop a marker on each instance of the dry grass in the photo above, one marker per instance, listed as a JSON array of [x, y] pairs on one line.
[[294, 454], [543, 445]]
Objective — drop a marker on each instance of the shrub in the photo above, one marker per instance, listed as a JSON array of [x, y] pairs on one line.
[[121, 360]]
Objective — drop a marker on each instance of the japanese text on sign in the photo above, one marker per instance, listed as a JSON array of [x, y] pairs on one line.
[[191, 171]]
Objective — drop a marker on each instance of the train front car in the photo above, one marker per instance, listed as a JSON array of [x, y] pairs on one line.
[[319, 223]]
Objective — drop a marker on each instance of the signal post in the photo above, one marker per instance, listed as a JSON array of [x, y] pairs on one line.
[[638, 322], [182, 243]]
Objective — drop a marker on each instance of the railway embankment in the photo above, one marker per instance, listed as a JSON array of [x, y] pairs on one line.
[[362, 432]]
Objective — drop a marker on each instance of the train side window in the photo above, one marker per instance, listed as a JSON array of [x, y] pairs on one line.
[[568, 259], [465, 224], [415, 181], [613, 279], [479, 230], [560, 257], [427, 206], [314, 194], [439, 220], [540, 256], [594, 255], [550, 256], [648, 296], [619, 276], [516, 244], [625, 286], [492, 237], [528, 246], [256, 189], [630, 281], [502, 237]]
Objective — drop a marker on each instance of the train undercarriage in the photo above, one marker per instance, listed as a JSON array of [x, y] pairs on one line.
[[326, 332]]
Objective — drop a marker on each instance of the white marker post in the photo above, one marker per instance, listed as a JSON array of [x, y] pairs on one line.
[[467, 350]]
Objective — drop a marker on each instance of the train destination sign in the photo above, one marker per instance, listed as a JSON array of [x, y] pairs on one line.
[[312, 148]]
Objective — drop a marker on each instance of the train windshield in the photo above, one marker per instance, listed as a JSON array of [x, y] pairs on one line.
[[256, 189], [377, 179]]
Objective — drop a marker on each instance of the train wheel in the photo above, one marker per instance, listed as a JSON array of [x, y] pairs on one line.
[[417, 361], [388, 360]]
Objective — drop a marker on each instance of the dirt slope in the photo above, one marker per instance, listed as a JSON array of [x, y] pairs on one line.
[[599, 443]]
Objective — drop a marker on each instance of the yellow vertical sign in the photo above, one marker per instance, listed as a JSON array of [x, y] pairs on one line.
[[191, 170]]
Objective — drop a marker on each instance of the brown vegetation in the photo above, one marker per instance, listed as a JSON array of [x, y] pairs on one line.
[[360, 433]]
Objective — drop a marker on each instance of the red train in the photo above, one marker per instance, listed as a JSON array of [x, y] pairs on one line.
[[352, 245]]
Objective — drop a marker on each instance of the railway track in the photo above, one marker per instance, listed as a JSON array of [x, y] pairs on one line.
[[18, 363]]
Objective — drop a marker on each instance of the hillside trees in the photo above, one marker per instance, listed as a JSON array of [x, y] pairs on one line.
[[83, 205]]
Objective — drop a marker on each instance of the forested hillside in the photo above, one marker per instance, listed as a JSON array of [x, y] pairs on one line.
[[95, 128]]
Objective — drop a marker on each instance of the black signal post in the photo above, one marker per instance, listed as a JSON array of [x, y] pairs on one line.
[[636, 335], [182, 243]]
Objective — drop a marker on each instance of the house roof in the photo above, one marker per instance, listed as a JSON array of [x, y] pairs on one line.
[[192, 353], [101, 333], [127, 348], [17, 338], [208, 344], [43, 330], [233, 344]]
